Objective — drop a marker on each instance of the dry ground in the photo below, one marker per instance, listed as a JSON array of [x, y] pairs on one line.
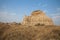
[[22, 32]]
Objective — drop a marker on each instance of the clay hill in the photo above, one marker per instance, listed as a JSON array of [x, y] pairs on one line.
[[37, 26], [37, 17]]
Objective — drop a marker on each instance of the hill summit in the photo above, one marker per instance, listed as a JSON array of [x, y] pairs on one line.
[[37, 17], [37, 12]]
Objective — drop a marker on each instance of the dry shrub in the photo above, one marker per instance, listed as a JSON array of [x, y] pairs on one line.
[[3, 28], [38, 24], [22, 32], [53, 35], [31, 33]]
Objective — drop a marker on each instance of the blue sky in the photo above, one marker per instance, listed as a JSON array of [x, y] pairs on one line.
[[14, 10]]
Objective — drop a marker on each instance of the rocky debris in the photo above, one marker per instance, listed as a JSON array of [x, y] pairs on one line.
[[37, 17]]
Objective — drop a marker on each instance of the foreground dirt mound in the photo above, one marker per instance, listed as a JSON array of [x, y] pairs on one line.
[[32, 33], [4, 27]]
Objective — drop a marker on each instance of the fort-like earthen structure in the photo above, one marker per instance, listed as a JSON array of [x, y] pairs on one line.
[[37, 17]]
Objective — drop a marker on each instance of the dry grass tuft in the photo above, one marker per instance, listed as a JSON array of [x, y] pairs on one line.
[[21, 32]]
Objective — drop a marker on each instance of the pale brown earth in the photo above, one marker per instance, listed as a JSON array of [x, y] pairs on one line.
[[23, 32], [34, 29], [37, 17]]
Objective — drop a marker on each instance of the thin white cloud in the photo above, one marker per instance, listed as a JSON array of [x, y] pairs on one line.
[[57, 20], [56, 17], [8, 17], [42, 5], [56, 13], [58, 9]]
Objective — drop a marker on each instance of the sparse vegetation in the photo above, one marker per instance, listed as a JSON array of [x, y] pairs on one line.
[[21, 32], [38, 24]]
